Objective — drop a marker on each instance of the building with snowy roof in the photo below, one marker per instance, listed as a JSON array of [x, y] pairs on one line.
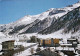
[[6, 43]]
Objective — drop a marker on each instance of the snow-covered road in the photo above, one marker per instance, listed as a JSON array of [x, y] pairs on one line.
[[27, 52]]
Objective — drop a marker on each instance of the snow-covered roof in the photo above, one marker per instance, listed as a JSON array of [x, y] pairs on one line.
[[71, 39], [5, 39], [66, 44]]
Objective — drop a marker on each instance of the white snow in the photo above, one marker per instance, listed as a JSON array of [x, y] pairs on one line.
[[77, 34], [57, 34], [24, 44], [5, 39], [26, 52], [0, 53], [66, 44], [2, 35], [25, 20], [31, 18]]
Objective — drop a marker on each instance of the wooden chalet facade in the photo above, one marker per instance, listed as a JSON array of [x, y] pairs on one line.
[[49, 42]]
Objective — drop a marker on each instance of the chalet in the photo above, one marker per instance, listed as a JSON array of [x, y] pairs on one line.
[[49, 42], [7, 43]]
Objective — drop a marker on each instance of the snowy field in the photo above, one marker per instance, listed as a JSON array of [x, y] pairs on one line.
[[26, 52], [57, 34], [25, 44]]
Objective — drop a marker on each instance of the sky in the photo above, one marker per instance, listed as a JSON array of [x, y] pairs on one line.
[[12, 10]]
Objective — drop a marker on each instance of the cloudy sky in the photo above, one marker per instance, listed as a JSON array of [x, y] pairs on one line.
[[12, 10]]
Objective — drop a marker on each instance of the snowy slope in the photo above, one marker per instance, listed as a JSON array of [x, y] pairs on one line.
[[70, 22], [2, 35], [28, 19], [56, 12]]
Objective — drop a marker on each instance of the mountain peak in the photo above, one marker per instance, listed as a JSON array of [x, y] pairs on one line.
[[78, 2], [51, 9], [28, 15], [43, 17]]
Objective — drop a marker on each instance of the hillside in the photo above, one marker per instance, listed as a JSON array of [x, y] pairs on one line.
[[48, 22]]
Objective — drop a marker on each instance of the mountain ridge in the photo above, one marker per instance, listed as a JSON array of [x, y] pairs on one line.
[[37, 23]]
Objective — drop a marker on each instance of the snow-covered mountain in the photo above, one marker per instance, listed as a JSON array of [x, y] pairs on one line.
[[41, 23], [68, 22]]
